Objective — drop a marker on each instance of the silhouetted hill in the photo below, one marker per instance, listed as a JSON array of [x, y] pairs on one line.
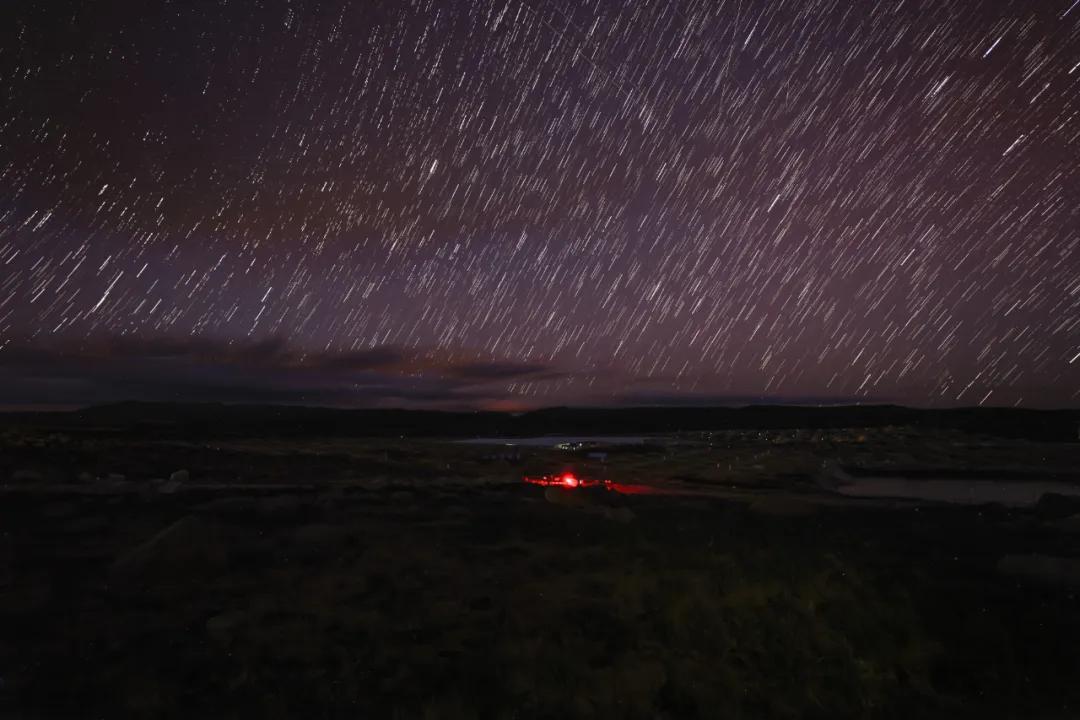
[[213, 420]]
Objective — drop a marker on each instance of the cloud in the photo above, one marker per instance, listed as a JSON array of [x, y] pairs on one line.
[[168, 369], [502, 370], [380, 358]]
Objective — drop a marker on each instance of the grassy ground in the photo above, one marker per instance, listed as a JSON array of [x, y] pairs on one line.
[[405, 580]]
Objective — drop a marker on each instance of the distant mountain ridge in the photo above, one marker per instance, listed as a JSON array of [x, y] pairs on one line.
[[213, 419]]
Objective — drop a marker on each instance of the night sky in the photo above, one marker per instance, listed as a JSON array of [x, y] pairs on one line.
[[502, 204]]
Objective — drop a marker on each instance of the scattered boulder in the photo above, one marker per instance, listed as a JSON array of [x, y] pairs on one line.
[[116, 478], [85, 477], [169, 487], [832, 476], [1042, 568], [149, 491], [180, 476], [1055, 506]]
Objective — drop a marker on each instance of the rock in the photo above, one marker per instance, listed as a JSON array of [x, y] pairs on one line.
[[85, 477], [116, 478], [169, 487], [180, 476], [1055, 506], [1042, 568], [188, 547], [832, 476]]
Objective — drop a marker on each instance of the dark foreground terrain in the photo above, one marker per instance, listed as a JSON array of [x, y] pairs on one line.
[[738, 575]]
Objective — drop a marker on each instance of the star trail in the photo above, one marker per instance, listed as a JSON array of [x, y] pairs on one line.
[[515, 204]]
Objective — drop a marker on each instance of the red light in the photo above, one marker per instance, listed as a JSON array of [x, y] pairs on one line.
[[564, 480], [569, 480]]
